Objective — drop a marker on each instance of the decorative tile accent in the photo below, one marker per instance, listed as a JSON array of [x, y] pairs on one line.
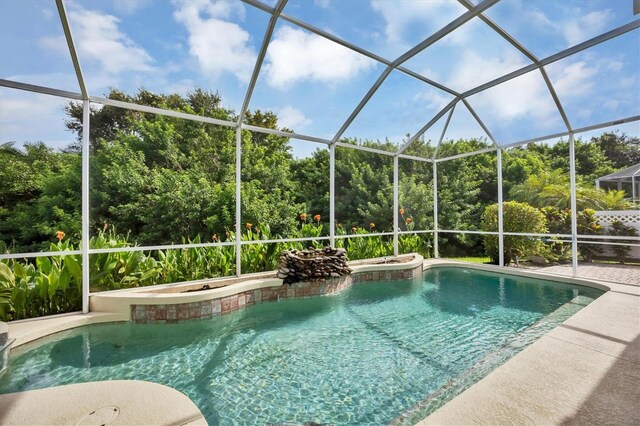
[[216, 307], [209, 308]]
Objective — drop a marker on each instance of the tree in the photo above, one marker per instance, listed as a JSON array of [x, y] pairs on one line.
[[465, 187], [620, 149], [553, 189]]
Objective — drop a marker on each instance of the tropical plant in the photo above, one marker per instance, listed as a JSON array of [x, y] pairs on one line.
[[553, 189], [620, 229], [49, 285], [587, 224], [517, 217]]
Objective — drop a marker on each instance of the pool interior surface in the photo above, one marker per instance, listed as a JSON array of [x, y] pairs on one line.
[[377, 353]]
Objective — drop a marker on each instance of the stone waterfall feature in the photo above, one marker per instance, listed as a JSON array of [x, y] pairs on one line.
[[312, 264]]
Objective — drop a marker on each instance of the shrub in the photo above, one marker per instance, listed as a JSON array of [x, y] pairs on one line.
[[517, 217], [588, 224], [559, 222], [620, 229]]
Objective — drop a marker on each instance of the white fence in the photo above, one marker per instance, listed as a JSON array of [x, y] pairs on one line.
[[629, 218]]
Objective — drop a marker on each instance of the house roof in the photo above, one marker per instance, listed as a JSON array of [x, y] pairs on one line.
[[624, 175]]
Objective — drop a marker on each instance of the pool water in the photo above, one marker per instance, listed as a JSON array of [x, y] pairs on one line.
[[377, 353]]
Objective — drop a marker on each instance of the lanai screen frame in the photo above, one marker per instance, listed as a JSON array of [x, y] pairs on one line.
[[276, 13]]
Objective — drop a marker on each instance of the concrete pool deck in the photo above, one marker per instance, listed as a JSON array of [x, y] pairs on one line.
[[586, 371], [122, 402]]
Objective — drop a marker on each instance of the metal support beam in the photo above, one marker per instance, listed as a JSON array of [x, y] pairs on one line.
[[363, 102], [501, 32], [556, 99], [500, 211], [263, 51], [533, 58], [466, 154], [556, 57], [426, 127], [238, 227], [160, 111], [477, 118], [436, 253], [40, 89], [413, 157], [332, 195], [350, 46], [574, 209], [62, 12], [86, 115], [438, 35], [365, 148], [547, 137], [286, 134], [444, 132], [396, 206], [444, 31]]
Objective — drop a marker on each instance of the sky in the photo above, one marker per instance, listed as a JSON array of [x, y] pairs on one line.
[[313, 84]]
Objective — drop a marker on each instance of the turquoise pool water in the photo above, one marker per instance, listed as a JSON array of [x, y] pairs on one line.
[[377, 353]]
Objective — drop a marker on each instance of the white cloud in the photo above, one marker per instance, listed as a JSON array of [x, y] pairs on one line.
[[99, 40], [586, 26], [292, 118], [295, 56], [522, 97], [574, 79], [218, 45], [434, 100], [322, 3], [473, 69], [402, 15], [31, 117]]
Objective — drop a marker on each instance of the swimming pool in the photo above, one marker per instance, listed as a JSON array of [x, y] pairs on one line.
[[377, 353]]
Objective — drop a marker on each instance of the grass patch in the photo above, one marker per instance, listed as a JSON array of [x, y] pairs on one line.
[[472, 259]]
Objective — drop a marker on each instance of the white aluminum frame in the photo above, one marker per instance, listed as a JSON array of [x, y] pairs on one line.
[[276, 13]]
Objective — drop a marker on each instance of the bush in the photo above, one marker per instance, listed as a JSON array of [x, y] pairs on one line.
[[559, 222], [517, 217], [620, 229], [588, 224]]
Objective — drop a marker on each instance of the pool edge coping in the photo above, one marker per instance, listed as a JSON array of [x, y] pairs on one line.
[[134, 400]]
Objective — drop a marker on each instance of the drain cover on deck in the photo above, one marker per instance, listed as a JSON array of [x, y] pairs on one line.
[[101, 416]]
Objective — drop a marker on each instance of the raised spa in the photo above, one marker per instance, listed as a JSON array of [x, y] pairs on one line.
[[376, 353]]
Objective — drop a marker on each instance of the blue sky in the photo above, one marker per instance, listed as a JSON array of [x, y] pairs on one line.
[[314, 84]]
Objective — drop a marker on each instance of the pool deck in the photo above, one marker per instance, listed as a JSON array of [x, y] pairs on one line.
[[625, 274], [584, 372], [121, 402]]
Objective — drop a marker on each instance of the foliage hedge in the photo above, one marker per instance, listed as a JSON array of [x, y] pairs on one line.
[[53, 285], [517, 217]]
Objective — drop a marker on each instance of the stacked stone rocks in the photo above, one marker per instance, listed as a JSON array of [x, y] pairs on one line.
[[312, 264]]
